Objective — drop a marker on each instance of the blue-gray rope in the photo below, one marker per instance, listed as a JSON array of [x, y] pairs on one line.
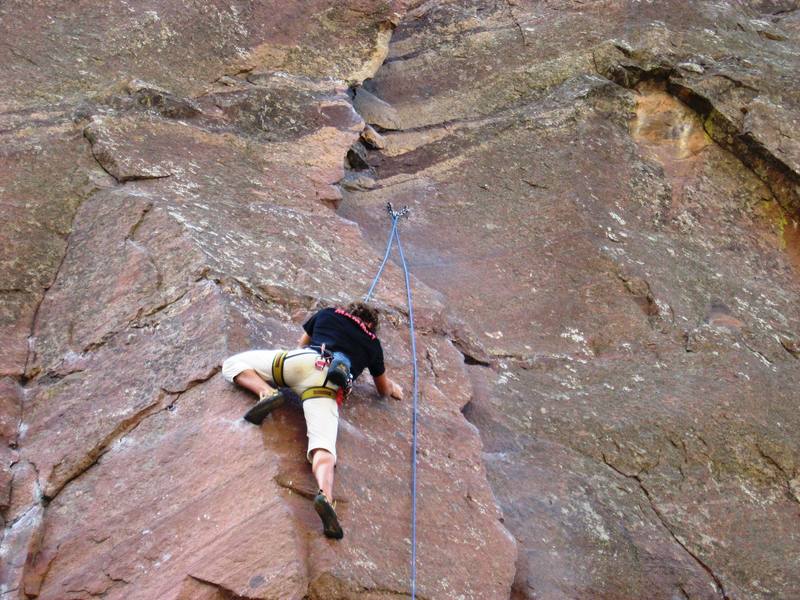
[[385, 256], [395, 235]]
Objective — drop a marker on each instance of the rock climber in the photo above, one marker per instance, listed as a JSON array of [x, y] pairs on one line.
[[336, 346]]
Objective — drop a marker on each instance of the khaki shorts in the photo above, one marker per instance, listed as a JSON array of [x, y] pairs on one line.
[[299, 373]]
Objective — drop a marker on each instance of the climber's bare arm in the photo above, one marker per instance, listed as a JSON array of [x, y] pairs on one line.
[[304, 340], [387, 387]]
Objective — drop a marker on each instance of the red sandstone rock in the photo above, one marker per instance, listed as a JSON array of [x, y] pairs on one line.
[[213, 231], [601, 229], [616, 260]]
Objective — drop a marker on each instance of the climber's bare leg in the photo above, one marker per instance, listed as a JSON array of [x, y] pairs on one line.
[[252, 381], [322, 465]]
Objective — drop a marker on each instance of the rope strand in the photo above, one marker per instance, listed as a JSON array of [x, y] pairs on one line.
[[414, 414], [395, 235], [385, 258]]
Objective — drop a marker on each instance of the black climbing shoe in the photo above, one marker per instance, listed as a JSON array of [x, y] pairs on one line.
[[263, 407], [339, 371], [330, 523]]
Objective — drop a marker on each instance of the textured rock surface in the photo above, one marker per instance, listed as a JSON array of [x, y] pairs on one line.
[[169, 178], [607, 195], [606, 255]]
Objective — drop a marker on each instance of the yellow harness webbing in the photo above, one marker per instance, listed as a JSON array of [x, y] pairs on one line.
[[316, 392], [277, 369]]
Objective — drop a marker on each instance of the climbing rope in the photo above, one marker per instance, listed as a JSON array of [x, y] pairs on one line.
[[395, 215], [395, 235]]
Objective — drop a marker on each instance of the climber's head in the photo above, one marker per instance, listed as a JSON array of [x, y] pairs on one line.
[[366, 312]]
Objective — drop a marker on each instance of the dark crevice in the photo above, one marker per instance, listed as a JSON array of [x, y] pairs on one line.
[[226, 593], [781, 473], [308, 491], [720, 588], [135, 228], [779, 177], [471, 360], [195, 382], [468, 410], [127, 178], [510, 6], [95, 454], [88, 138], [469, 351]]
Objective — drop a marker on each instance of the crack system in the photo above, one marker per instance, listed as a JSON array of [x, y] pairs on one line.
[[126, 427], [129, 425], [720, 588], [754, 156], [783, 474], [779, 178], [227, 593]]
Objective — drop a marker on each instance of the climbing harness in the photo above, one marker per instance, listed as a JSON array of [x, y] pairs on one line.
[[316, 392], [324, 361], [277, 369], [395, 235]]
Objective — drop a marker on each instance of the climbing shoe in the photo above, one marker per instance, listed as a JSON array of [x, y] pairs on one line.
[[330, 523], [339, 370], [263, 407]]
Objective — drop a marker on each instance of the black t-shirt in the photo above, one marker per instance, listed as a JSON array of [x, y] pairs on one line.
[[342, 332]]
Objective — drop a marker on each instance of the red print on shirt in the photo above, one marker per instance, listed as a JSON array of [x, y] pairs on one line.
[[358, 322]]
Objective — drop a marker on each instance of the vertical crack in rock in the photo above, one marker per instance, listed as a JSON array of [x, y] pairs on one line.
[[782, 474], [92, 140], [471, 352], [636, 477], [135, 227], [27, 374], [510, 6]]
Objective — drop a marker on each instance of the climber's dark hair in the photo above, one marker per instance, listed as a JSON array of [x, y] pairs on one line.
[[366, 312]]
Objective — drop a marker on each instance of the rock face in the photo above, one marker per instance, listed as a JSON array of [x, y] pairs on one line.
[[607, 196], [606, 255]]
